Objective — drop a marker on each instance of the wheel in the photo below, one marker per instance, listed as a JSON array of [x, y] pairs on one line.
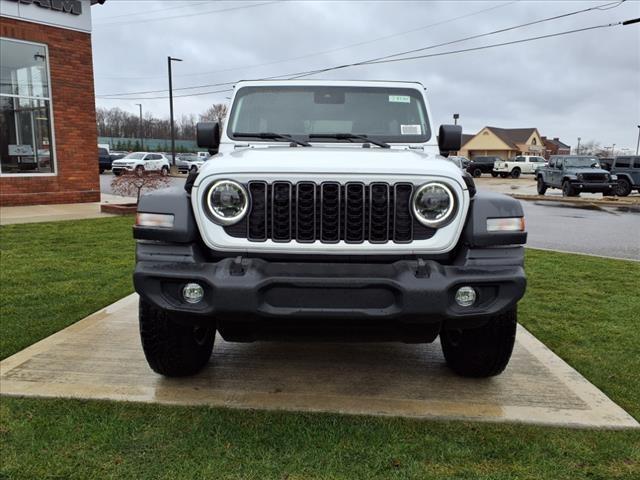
[[193, 169], [515, 173], [623, 188], [476, 172], [173, 349], [117, 173], [484, 351], [542, 187], [101, 171], [164, 171], [494, 174], [567, 189], [504, 175], [139, 170]]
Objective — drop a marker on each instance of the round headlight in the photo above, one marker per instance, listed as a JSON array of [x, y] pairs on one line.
[[434, 204], [228, 202]]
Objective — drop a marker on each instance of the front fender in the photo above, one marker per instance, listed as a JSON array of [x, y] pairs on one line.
[[172, 201], [491, 205]]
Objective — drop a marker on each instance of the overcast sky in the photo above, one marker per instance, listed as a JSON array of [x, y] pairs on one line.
[[582, 85]]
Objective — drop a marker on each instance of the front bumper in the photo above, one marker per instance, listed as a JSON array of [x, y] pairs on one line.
[[587, 187], [253, 291]]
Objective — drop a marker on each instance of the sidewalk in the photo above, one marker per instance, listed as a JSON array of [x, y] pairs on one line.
[[53, 213]]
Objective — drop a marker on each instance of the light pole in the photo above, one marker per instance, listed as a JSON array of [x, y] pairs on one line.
[[141, 136], [578, 147], [456, 116], [638, 144], [173, 135], [613, 150]]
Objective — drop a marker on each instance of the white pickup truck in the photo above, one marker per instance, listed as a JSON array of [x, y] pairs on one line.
[[518, 165]]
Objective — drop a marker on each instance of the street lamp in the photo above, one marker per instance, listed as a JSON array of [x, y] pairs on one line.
[[141, 136], [613, 150], [578, 147], [638, 144], [173, 135], [456, 116]]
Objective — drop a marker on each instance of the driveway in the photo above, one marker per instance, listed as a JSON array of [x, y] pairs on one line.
[[100, 358]]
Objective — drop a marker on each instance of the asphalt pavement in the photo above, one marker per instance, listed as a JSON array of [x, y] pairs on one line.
[[609, 232]]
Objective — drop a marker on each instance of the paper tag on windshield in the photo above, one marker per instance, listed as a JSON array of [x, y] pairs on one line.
[[411, 129], [400, 98]]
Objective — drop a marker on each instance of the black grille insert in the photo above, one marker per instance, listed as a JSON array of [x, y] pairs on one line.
[[330, 212]]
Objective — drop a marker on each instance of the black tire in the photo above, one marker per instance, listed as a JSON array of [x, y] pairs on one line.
[[567, 189], [494, 174], [101, 171], [117, 173], [623, 187], [173, 349], [515, 173], [476, 172], [139, 170], [504, 175], [193, 169], [484, 351], [164, 171], [541, 186]]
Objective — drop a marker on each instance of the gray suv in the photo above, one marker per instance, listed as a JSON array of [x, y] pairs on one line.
[[627, 169]]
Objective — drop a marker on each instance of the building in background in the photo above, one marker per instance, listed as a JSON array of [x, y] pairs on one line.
[[502, 142], [48, 138], [555, 147]]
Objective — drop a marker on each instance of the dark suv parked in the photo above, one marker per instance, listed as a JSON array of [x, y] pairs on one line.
[[479, 165], [627, 169], [104, 159]]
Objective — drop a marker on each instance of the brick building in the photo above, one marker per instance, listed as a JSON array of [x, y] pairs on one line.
[[48, 138], [555, 147]]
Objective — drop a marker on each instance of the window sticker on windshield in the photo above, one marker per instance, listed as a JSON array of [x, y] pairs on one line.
[[411, 129], [400, 98]]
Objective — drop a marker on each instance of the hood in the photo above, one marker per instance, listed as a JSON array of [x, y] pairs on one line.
[[329, 160], [577, 170]]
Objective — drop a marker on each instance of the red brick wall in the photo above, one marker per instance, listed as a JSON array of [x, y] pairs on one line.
[[74, 120]]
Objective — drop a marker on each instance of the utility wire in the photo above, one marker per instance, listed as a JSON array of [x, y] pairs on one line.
[[173, 17], [128, 15], [473, 37], [313, 54], [395, 60]]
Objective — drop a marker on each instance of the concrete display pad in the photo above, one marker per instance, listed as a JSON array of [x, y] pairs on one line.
[[100, 358]]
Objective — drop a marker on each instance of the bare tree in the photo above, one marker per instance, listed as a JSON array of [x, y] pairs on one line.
[[132, 184], [215, 113]]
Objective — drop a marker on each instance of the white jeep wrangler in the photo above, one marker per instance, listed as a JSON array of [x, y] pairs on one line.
[[328, 212]]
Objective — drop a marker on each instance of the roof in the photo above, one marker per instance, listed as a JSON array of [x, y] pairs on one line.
[[512, 136], [556, 142], [466, 137]]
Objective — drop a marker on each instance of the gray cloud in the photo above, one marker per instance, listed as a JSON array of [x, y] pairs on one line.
[[586, 85]]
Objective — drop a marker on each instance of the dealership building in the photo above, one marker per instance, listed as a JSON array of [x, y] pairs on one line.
[[48, 138]]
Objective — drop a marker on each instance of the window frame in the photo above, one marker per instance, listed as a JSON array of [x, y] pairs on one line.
[[53, 144]]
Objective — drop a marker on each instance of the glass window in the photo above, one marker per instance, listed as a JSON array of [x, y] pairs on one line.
[[26, 137], [384, 113], [623, 162]]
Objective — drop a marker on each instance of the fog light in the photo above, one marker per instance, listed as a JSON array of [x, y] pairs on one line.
[[465, 296], [192, 293]]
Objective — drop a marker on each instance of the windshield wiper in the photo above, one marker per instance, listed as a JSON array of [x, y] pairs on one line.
[[273, 136], [350, 136]]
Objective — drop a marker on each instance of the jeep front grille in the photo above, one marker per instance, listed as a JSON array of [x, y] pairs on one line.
[[595, 177], [330, 212]]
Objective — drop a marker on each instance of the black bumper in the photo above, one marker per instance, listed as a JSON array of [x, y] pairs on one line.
[[252, 292], [605, 187]]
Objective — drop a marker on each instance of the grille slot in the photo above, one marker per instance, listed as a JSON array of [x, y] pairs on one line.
[[330, 212]]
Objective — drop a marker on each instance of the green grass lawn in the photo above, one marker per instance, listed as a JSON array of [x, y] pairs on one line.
[[52, 275]]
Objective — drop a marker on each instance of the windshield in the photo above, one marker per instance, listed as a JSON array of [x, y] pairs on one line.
[[135, 156], [386, 114], [581, 162]]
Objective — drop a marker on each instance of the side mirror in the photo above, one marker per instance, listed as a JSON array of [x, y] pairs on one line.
[[208, 136], [449, 138]]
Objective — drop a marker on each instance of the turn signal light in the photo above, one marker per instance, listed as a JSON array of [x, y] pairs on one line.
[[511, 224], [156, 220]]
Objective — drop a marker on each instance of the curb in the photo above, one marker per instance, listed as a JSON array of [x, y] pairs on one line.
[[586, 202]]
